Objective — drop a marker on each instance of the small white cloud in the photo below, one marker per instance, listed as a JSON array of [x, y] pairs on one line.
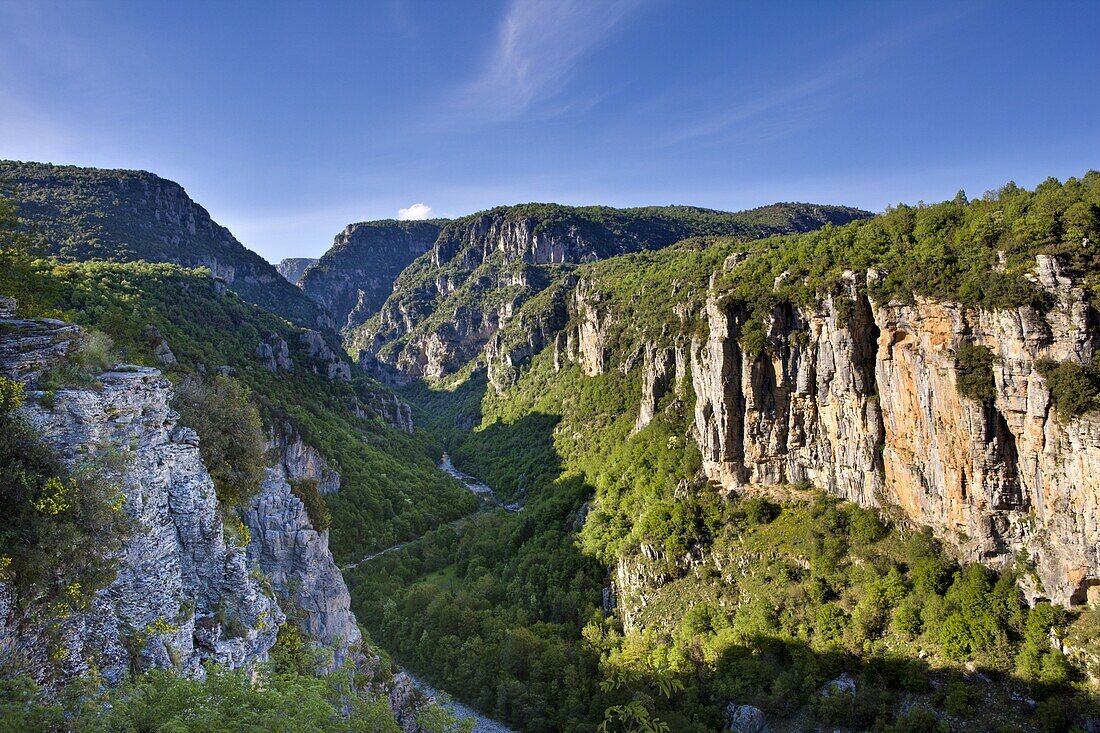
[[415, 212]]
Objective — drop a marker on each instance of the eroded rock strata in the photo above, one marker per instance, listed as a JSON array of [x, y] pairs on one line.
[[862, 399], [184, 594]]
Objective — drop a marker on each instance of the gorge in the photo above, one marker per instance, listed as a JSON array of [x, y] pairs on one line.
[[793, 468]]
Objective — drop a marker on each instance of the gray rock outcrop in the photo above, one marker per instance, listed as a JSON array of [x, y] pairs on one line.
[[325, 360], [298, 461], [745, 719], [292, 268], [184, 594], [296, 560], [274, 353]]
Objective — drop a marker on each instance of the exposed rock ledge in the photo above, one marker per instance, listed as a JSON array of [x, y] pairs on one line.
[[861, 399], [177, 574]]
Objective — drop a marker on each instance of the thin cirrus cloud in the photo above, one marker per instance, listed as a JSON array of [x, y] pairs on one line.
[[416, 212], [538, 46]]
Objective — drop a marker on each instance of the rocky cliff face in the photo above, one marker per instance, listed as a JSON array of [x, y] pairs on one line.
[[295, 559], [862, 399], [299, 461], [184, 594], [455, 299], [292, 267], [356, 275]]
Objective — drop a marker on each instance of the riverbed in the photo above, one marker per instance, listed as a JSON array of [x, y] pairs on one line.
[[461, 711]]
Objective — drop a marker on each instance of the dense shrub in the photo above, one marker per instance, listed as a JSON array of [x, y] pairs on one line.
[[974, 371], [1074, 388], [306, 490], [231, 437]]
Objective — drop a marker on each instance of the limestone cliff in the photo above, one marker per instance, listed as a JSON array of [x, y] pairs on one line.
[[292, 267], [295, 559], [356, 275], [184, 594], [862, 399]]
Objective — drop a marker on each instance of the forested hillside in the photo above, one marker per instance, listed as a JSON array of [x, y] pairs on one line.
[[78, 214], [390, 488], [677, 558]]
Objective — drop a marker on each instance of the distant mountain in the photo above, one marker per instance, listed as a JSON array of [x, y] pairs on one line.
[[124, 215], [448, 303], [292, 267], [356, 275]]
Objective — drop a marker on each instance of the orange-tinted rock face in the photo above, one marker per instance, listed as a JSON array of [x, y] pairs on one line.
[[867, 406]]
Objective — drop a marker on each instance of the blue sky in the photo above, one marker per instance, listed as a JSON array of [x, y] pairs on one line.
[[288, 121]]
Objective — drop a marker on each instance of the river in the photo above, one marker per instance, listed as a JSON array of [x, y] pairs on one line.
[[475, 486], [461, 711], [488, 499]]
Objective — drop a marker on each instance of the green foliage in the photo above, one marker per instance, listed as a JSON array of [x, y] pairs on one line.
[[61, 525], [864, 525], [225, 700], [316, 508], [974, 371], [1074, 388], [231, 438], [12, 396], [948, 251], [959, 700], [1037, 660], [294, 653]]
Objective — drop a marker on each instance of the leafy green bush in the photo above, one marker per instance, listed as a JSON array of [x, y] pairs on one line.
[[959, 700], [1074, 388], [864, 525], [1037, 660], [907, 620], [306, 490], [231, 438], [974, 371]]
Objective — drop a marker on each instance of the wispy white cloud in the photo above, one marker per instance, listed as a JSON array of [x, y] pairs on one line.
[[538, 46], [416, 212]]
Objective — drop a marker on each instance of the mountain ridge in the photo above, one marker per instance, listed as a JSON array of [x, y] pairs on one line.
[[82, 213], [484, 266]]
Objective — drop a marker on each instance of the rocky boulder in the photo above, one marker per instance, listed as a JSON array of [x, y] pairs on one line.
[[745, 719]]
